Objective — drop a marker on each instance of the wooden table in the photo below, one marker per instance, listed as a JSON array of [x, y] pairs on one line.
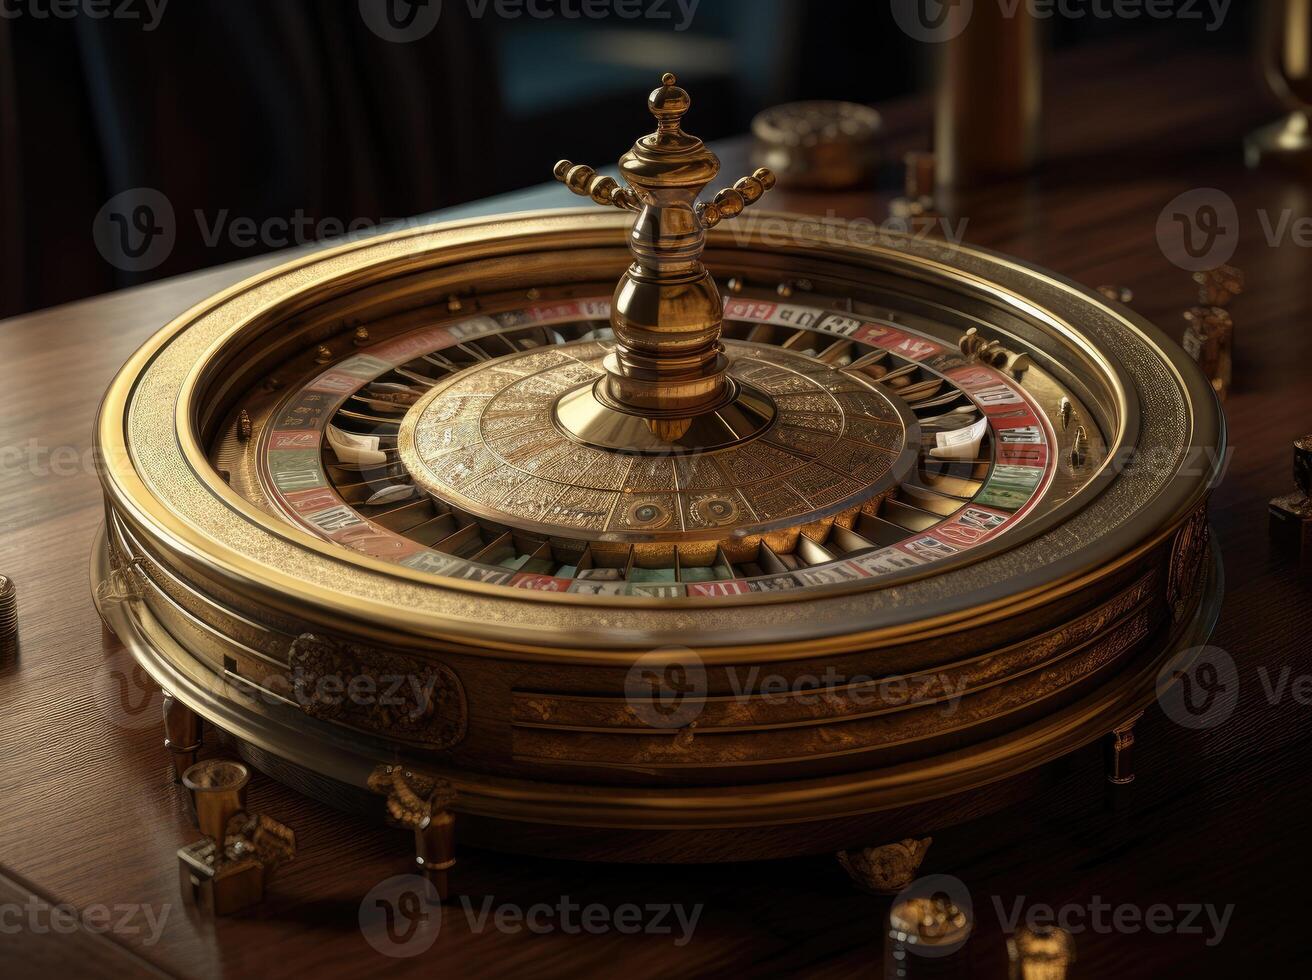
[[88, 815]]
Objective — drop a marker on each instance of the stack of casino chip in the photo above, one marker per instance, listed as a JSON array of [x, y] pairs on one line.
[[8, 607]]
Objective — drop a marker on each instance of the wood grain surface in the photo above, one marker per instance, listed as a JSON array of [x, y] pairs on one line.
[[88, 815]]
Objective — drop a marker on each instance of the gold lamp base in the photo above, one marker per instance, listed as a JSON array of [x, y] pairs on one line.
[[1286, 142]]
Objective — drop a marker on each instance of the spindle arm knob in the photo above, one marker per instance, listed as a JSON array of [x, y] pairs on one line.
[[586, 182], [730, 202]]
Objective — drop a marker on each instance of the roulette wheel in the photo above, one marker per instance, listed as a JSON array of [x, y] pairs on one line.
[[795, 540]]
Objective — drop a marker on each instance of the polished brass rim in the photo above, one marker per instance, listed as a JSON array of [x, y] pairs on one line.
[[339, 755], [485, 615]]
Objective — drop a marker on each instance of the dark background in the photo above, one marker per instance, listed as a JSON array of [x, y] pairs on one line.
[[264, 109]]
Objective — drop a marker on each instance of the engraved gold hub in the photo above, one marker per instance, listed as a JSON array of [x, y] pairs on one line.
[[824, 445]]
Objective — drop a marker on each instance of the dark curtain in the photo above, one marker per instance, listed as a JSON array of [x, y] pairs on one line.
[[251, 109]]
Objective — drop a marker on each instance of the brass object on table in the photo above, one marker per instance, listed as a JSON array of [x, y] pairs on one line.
[[1120, 763], [1117, 294], [820, 145], [1208, 339], [1291, 515], [8, 607], [182, 735], [924, 933], [1219, 286], [916, 207], [1040, 953], [1285, 55], [218, 792], [233, 865], [988, 104], [918, 180], [423, 805], [887, 869], [559, 546]]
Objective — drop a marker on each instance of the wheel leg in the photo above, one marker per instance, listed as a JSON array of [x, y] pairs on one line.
[[888, 869], [1120, 752], [435, 850], [423, 804], [182, 735]]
